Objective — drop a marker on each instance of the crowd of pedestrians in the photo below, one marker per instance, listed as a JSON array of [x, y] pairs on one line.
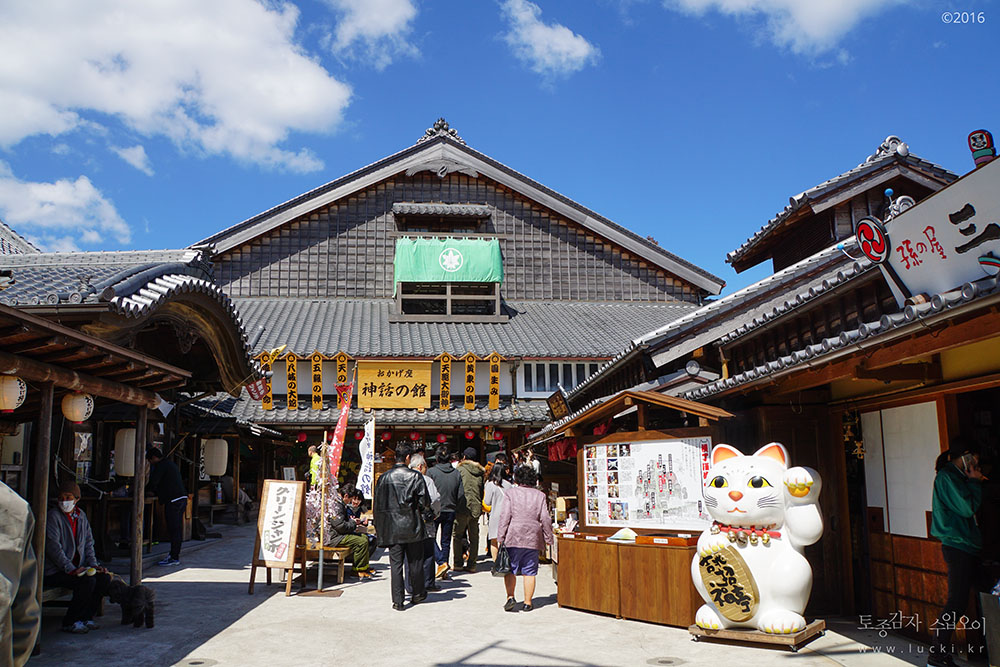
[[430, 517]]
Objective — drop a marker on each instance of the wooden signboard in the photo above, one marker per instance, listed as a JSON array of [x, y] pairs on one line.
[[394, 384], [280, 530]]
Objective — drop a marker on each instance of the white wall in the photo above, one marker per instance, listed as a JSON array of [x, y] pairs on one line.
[[907, 439]]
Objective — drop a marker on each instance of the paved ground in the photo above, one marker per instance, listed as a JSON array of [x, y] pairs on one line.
[[205, 617]]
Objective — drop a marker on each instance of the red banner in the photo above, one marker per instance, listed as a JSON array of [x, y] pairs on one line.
[[258, 389], [344, 394]]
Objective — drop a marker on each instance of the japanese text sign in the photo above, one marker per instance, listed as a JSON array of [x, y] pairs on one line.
[[316, 377], [292, 377], [394, 384], [470, 381], [444, 398], [277, 525]]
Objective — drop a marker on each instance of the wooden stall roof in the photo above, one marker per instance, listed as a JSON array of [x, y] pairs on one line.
[[601, 410], [61, 352]]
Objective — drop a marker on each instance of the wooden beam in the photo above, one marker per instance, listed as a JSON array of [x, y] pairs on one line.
[[640, 415], [921, 371], [37, 371], [138, 497], [40, 495]]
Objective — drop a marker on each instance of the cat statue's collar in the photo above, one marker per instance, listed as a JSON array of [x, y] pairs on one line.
[[742, 535]]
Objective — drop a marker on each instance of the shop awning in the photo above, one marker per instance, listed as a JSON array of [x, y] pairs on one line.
[[448, 260]]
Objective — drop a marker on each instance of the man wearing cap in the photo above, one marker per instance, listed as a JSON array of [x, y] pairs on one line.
[[165, 481], [70, 561], [468, 512]]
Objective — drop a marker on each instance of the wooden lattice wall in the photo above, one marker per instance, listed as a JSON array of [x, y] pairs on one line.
[[345, 250]]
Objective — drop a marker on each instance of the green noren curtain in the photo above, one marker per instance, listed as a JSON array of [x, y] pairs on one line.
[[448, 260]]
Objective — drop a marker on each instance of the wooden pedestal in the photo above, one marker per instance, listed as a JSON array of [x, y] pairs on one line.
[[793, 642]]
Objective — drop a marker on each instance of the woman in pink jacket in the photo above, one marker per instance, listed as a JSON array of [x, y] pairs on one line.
[[524, 526]]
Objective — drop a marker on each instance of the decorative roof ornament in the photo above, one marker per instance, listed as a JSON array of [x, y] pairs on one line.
[[441, 128], [892, 144]]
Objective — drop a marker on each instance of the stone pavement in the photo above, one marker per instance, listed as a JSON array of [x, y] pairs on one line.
[[205, 617]]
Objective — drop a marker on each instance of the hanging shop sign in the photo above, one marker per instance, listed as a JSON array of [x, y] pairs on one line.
[[316, 375], [444, 395], [341, 362], [267, 400], [292, 379], [558, 405], [394, 384], [494, 398], [366, 448], [948, 239], [470, 380]]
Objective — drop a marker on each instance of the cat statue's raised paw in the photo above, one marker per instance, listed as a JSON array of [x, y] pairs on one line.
[[749, 568]]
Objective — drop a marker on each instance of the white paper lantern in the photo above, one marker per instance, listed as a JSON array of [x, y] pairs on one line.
[[13, 391], [77, 407], [125, 452], [216, 456]]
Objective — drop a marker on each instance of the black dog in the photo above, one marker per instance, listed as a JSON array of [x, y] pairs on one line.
[[137, 602]]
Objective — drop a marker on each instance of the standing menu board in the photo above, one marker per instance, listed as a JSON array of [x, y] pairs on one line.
[[280, 530], [649, 484]]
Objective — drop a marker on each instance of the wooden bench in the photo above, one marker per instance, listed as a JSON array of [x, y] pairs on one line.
[[216, 507], [59, 596], [337, 554]]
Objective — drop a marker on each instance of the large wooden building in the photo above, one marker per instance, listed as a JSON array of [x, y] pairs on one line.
[[823, 357], [484, 289]]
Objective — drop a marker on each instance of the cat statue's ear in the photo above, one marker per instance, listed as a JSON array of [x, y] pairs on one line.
[[723, 452], [776, 451]]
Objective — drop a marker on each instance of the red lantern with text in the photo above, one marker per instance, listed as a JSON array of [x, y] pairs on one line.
[[498, 435], [386, 436], [301, 437], [470, 434], [358, 435], [414, 435], [442, 438]]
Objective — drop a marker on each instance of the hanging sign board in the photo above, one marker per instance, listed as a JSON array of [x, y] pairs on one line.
[[948, 239], [341, 364], [494, 398], [558, 405], [316, 373], [444, 395], [292, 375], [470, 381], [394, 384], [267, 402], [654, 484], [366, 475]]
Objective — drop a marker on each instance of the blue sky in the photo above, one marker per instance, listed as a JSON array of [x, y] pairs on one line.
[[152, 125]]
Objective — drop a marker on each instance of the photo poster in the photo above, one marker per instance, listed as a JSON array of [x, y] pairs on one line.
[[278, 523], [653, 485]]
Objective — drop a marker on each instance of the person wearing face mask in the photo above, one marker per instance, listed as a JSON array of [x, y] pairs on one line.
[[344, 529], [70, 561]]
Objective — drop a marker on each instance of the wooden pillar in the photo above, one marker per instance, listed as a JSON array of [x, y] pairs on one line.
[[236, 481], [194, 483], [40, 495], [138, 497]]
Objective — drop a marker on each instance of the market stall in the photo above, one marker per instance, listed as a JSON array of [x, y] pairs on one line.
[[641, 458]]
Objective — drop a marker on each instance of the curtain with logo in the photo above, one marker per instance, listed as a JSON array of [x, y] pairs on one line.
[[447, 260]]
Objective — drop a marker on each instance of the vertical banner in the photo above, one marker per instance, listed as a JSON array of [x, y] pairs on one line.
[[344, 393], [267, 402], [494, 400], [444, 396], [470, 381], [292, 376], [316, 374], [367, 450], [341, 361]]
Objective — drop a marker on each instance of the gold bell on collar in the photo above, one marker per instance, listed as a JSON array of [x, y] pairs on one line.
[[765, 538]]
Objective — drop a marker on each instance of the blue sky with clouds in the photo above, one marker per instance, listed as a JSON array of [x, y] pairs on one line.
[[154, 124]]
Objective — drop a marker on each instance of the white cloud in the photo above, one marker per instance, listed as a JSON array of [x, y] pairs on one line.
[[380, 29], [224, 77], [805, 26], [549, 49], [135, 156], [56, 215]]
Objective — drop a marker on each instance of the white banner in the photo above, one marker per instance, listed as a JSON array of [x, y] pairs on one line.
[[367, 448]]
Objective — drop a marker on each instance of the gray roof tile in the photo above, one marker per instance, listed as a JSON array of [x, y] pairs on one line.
[[535, 329], [12, 243], [420, 208]]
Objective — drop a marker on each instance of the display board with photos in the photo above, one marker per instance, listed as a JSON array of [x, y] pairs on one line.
[[648, 484]]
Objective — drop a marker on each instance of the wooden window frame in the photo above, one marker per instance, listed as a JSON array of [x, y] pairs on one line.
[[449, 299]]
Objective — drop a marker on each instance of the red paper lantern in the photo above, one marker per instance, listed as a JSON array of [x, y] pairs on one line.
[[358, 435], [470, 434], [442, 438], [414, 435], [498, 436], [302, 436], [386, 436]]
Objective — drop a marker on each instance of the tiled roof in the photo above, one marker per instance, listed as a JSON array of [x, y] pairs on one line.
[[892, 151], [455, 148], [210, 415], [362, 328], [12, 243], [509, 414], [464, 210], [741, 311], [869, 333], [81, 277]]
